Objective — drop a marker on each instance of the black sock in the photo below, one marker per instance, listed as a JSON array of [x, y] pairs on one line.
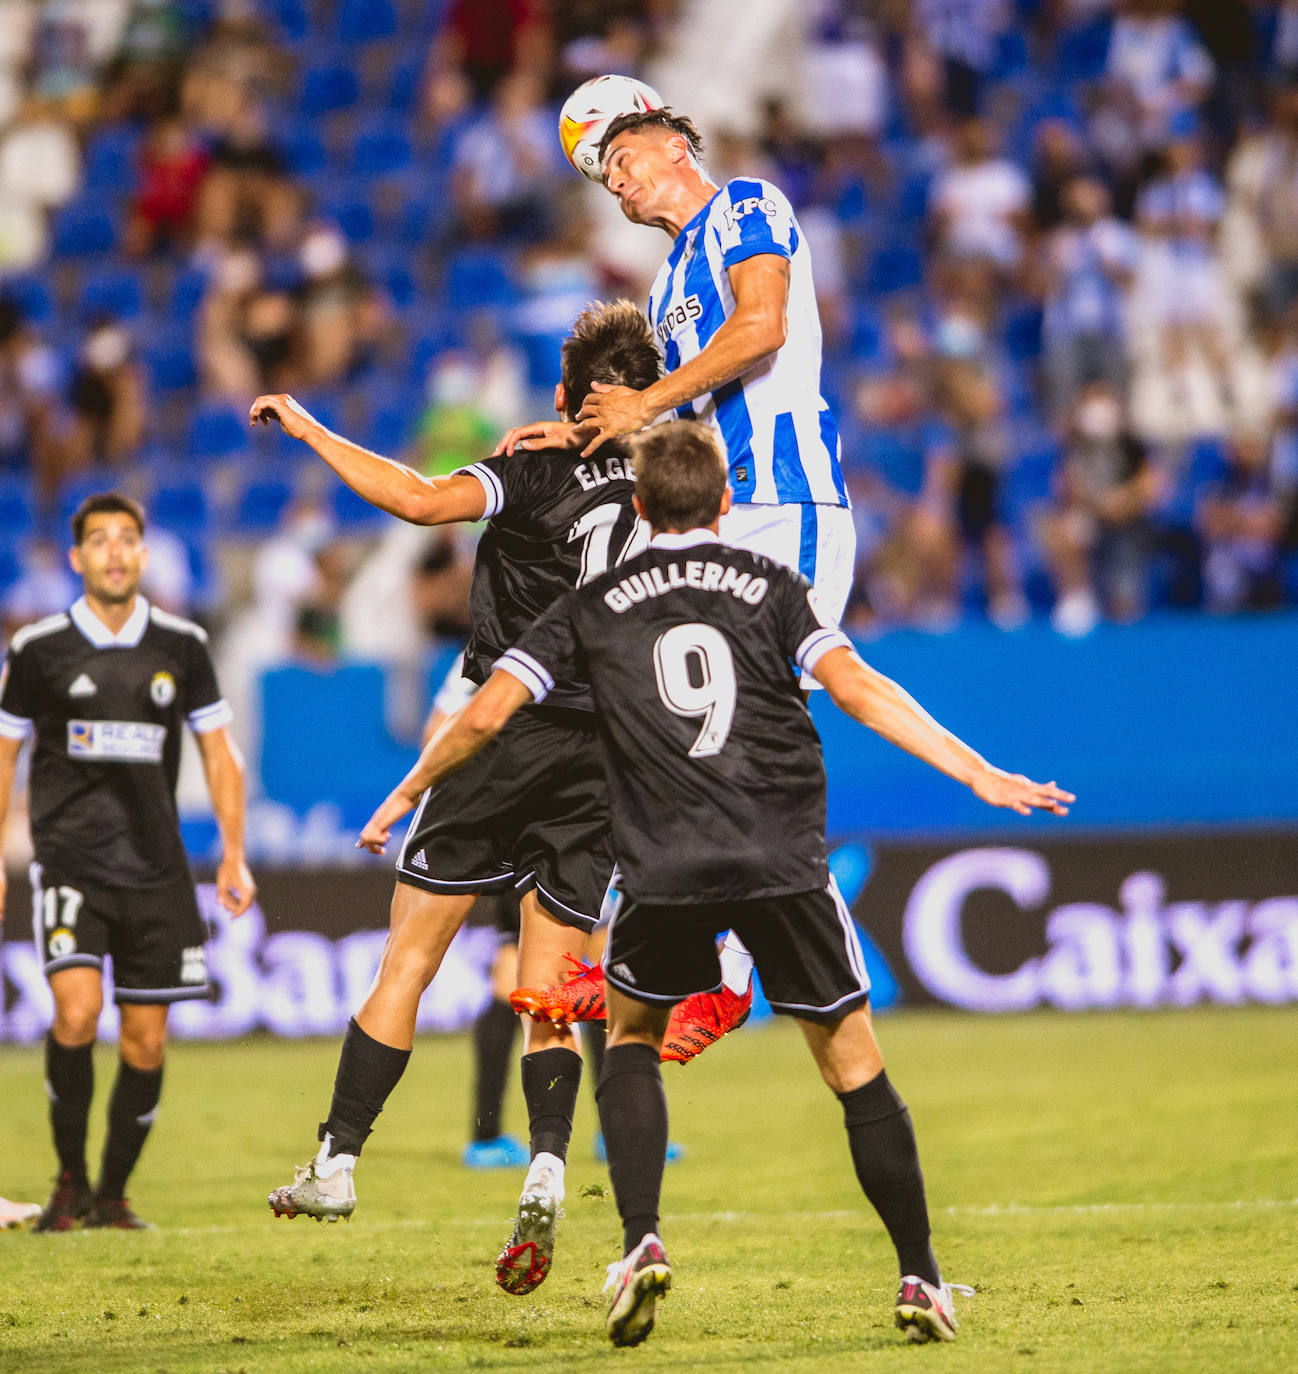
[[550, 1082], [367, 1072], [633, 1117], [883, 1148], [70, 1076], [130, 1117], [594, 1038], [493, 1050]]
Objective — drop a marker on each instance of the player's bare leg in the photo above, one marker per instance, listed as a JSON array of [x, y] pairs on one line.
[[70, 1076], [551, 1069], [633, 1115], [131, 1111], [375, 1051], [886, 1159]]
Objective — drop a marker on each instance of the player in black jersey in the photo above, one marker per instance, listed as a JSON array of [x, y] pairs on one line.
[[107, 689], [717, 789], [532, 813]]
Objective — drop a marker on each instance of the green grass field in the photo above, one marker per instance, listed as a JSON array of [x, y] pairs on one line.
[[1121, 1189]]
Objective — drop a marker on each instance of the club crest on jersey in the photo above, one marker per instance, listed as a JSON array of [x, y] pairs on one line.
[[162, 689], [61, 943], [682, 313], [82, 686], [737, 211]]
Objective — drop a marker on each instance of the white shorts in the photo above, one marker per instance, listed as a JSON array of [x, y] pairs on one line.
[[817, 541]]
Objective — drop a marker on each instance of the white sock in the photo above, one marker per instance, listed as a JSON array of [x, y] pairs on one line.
[[736, 965], [327, 1164], [545, 1163]]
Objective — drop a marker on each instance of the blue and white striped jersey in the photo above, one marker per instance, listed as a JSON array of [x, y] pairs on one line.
[[779, 434]]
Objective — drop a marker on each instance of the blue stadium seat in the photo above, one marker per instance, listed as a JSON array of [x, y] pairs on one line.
[[290, 18], [82, 228], [111, 291], [217, 431], [188, 287], [391, 429], [352, 213], [478, 278], [366, 21], [10, 568], [303, 149], [110, 159], [181, 506], [353, 512], [170, 359], [260, 505], [896, 266], [32, 295], [326, 88], [17, 508], [382, 148], [404, 81], [73, 491]]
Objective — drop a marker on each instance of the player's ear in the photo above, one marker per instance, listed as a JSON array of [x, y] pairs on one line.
[[637, 505], [560, 399], [74, 558], [725, 501]]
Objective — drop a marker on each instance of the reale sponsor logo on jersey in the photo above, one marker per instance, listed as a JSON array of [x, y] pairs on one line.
[[121, 741]]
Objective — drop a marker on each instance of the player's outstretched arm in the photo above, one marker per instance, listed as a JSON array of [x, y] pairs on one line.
[[383, 482], [755, 329], [8, 767], [889, 710], [460, 736], [223, 767]]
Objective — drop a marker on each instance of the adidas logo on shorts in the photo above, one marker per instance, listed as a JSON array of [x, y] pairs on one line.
[[419, 861], [624, 973]]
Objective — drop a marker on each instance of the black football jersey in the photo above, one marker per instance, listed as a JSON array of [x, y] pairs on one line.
[[716, 781], [556, 520], [107, 712]]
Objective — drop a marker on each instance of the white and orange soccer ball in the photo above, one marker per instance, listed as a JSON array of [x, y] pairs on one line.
[[591, 108]]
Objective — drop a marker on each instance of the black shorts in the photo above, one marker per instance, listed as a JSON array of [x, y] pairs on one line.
[[155, 935], [805, 948], [529, 810]]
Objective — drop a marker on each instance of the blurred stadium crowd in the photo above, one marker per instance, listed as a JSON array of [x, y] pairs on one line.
[[1056, 248]]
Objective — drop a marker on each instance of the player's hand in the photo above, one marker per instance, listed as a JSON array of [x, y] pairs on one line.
[[541, 434], [378, 829], [612, 411], [296, 421], [1017, 793], [235, 888]]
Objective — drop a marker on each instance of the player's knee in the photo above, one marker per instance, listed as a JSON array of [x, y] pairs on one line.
[[142, 1050], [76, 1023]]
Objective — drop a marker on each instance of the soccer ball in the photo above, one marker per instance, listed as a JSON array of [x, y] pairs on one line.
[[591, 108]]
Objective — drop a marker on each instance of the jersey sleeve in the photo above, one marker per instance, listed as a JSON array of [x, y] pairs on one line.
[[16, 711], [201, 700], [810, 632], [547, 653], [504, 481], [755, 218]]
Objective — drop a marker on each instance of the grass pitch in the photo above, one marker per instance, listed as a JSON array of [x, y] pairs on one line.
[[1121, 1189]]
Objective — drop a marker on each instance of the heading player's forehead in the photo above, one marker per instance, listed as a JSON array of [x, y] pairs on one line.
[[109, 524], [634, 139]]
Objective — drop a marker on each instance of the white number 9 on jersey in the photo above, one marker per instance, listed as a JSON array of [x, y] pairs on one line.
[[712, 698]]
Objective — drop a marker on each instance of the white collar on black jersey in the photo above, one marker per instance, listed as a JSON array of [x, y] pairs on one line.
[[684, 539], [100, 635]]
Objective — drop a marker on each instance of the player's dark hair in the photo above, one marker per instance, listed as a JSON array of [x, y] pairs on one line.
[[680, 475], [665, 118], [105, 502], [612, 344]]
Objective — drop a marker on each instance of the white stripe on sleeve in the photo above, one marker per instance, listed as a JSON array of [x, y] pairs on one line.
[[528, 671], [14, 727], [212, 717], [491, 487], [817, 645]]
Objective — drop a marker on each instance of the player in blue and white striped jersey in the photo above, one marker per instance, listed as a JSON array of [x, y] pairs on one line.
[[734, 312]]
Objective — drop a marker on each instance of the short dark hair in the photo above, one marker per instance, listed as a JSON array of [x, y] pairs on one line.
[[680, 475], [665, 118], [105, 502], [608, 343]]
